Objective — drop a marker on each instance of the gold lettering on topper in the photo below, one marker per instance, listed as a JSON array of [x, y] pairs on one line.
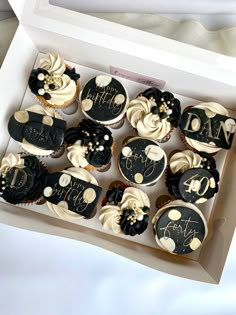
[[183, 229], [208, 128], [192, 116], [196, 185], [14, 179], [226, 133]]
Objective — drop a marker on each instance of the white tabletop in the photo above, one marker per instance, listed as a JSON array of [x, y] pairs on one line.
[[49, 275]]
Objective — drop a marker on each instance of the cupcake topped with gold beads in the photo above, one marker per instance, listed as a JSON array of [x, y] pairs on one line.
[[154, 114], [54, 83]]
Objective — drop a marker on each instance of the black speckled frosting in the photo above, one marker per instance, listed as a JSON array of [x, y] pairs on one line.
[[26, 184], [178, 184], [97, 138], [167, 106]]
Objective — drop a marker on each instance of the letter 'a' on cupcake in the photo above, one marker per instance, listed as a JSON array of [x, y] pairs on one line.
[[38, 131], [90, 145], [125, 210], [21, 179], [154, 114], [179, 227], [207, 127], [192, 177], [72, 194], [142, 161], [103, 100], [54, 83]]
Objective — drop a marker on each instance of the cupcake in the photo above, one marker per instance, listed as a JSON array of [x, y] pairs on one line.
[[104, 99], [72, 193], [207, 127], [90, 145], [54, 83], [192, 177], [179, 227], [125, 210], [21, 179], [37, 130], [142, 161], [154, 114]]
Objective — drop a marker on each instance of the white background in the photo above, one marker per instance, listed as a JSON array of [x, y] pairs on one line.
[[48, 275]]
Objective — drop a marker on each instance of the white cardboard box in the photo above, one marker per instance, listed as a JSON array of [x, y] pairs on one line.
[[95, 45], [150, 6]]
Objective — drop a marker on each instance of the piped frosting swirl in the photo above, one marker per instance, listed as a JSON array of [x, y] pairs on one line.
[[154, 113], [53, 80], [89, 144], [125, 211]]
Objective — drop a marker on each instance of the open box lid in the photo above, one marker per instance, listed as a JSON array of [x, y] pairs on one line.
[[150, 6], [42, 15]]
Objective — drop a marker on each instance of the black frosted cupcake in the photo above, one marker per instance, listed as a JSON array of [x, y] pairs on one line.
[[125, 210], [22, 179], [192, 177], [179, 227], [90, 145], [104, 99], [154, 114], [142, 161]]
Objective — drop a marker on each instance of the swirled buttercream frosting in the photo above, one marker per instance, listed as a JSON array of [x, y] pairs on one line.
[[154, 113], [125, 210], [89, 144], [53, 80]]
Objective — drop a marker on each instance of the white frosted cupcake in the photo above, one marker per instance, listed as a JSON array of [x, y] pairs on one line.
[[54, 83], [125, 210], [154, 114]]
